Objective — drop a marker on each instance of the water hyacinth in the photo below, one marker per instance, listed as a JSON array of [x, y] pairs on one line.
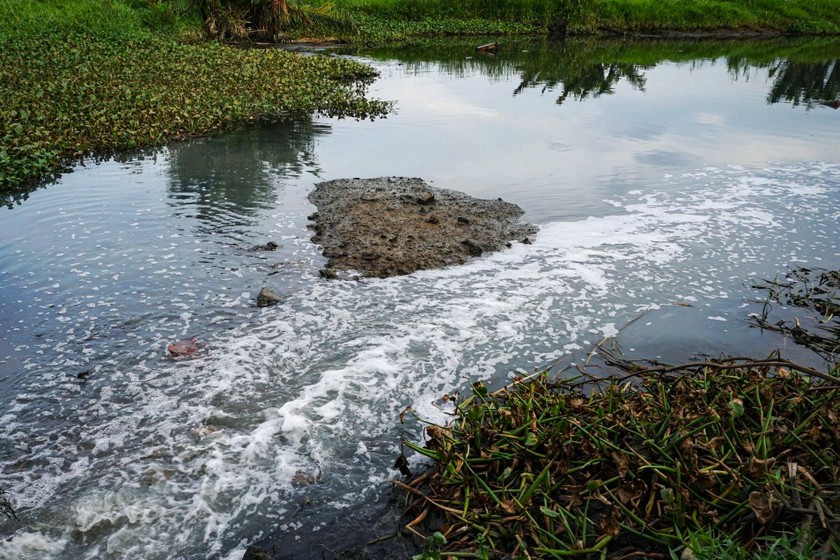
[[66, 98]]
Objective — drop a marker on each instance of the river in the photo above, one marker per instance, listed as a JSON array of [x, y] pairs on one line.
[[665, 178]]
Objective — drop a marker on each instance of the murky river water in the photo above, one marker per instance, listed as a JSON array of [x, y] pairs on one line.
[[677, 179]]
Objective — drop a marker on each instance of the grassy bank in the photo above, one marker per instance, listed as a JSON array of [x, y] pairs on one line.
[[90, 77], [396, 19], [725, 459]]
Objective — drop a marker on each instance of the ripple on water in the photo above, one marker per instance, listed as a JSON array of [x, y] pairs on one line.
[[150, 456]]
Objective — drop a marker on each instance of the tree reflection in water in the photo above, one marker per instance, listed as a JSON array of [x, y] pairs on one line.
[[225, 180], [804, 83], [802, 72]]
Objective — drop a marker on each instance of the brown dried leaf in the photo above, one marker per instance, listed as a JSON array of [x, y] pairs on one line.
[[508, 506], [759, 467], [601, 498], [575, 500], [632, 491], [621, 463], [762, 507], [609, 526]]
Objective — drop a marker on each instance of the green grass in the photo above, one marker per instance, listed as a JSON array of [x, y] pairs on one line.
[[375, 18], [715, 545], [104, 19], [813, 17]]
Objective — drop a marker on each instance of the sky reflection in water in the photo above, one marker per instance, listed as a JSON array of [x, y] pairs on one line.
[[655, 191]]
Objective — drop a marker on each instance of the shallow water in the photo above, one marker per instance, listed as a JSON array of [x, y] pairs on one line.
[[680, 182]]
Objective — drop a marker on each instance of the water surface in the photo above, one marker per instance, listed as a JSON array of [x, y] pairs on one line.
[[658, 175]]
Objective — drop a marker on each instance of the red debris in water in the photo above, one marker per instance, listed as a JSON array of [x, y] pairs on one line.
[[186, 347]]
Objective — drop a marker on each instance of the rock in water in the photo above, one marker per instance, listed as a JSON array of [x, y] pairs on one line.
[[254, 552], [270, 246], [266, 297], [187, 347], [392, 226]]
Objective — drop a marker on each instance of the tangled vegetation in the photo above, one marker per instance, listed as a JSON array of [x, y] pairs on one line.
[[805, 305], [269, 20], [737, 450]]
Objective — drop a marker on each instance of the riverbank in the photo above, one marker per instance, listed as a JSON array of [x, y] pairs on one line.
[[612, 457], [81, 79], [723, 459], [379, 20]]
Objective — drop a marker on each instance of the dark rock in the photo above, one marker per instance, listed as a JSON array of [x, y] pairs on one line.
[[472, 248], [266, 297], [381, 231], [329, 273], [270, 246], [426, 199], [253, 552], [353, 534]]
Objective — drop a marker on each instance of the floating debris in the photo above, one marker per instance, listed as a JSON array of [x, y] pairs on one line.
[[187, 347]]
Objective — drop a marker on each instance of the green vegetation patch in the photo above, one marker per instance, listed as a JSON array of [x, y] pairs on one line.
[[66, 98], [375, 17], [597, 468], [813, 17]]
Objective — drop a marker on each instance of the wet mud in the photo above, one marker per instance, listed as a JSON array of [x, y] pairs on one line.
[[394, 225]]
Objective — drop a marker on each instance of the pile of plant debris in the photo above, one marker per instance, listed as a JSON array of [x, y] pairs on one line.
[[633, 465], [809, 312]]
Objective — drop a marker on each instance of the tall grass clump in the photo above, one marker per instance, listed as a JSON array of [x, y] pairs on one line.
[[272, 20], [606, 468]]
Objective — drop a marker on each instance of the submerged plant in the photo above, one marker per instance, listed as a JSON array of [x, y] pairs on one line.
[[805, 305]]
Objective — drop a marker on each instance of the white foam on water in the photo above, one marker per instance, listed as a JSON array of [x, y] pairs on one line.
[[183, 458], [32, 545]]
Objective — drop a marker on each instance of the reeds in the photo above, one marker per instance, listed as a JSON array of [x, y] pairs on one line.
[[270, 20], [559, 468]]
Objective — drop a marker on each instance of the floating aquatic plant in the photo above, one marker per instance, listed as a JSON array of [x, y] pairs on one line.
[[67, 98]]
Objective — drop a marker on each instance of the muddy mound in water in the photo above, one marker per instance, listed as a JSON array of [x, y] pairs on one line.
[[394, 225]]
